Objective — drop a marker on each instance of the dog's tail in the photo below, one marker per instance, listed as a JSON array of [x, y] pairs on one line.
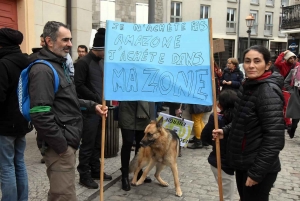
[[133, 164]]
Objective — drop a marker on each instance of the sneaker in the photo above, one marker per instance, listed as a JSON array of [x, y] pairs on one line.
[[88, 182], [192, 140], [196, 145], [96, 175]]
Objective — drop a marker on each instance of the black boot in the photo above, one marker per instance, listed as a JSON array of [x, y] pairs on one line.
[[147, 180], [125, 180], [125, 184], [96, 175]]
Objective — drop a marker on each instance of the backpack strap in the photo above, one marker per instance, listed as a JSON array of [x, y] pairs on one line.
[[56, 78], [23, 92]]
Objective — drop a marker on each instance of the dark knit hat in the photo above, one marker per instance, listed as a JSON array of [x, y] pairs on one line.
[[99, 40], [10, 37]]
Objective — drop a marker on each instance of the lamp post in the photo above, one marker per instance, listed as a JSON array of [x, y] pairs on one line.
[[249, 22]]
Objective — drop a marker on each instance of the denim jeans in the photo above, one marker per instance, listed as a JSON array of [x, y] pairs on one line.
[[13, 174]]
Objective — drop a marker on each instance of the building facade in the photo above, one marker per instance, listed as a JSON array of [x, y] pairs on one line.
[[228, 18], [30, 16], [291, 25]]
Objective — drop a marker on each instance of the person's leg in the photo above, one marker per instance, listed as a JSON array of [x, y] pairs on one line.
[[127, 140], [292, 131], [260, 191], [201, 123], [240, 178], [94, 161], [87, 147], [227, 184], [7, 168], [20, 168], [198, 127], [61, 174]]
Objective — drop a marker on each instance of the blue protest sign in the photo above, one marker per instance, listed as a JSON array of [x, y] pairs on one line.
[[158, 62]]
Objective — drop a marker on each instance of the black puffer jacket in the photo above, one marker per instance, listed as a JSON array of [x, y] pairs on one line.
[[58, 118], [12, 62], [256, 134]]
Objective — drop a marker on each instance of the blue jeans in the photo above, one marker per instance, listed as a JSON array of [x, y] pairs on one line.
[[13, 174]]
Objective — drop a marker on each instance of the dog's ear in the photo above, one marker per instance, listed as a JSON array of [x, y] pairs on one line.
[[159, 122]]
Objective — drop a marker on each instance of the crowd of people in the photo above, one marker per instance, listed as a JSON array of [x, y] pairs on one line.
[[71, 118]]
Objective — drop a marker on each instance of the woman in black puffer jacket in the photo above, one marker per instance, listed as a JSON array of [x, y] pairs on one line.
[[256, 134]]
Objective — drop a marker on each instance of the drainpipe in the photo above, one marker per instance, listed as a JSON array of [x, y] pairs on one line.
[[238, 30], [151, 11], [151, 19], [69, 17]]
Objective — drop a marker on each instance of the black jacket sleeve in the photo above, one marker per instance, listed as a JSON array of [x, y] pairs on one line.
[[81, 81], [206, 134]]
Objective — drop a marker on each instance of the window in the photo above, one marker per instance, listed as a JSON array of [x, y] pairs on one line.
[[204, 11], [231, 24], [268, 24], [141, 13], [285, 3], [176, 11], [254, 1], [279, 28], [107, 11], [270, 2], [254, 29]]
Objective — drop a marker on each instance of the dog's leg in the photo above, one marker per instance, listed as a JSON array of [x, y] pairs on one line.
[[159, 168], [146, 171], [140, 166], [133, 181], [176, 179]]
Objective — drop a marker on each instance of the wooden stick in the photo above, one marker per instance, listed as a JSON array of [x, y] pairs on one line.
[[102, 143], [215, 110], [102, 151]]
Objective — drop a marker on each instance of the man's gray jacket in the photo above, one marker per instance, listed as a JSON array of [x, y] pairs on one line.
[[56, 116]]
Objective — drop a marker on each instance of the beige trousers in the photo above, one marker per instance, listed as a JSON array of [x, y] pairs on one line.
[[61, 174]]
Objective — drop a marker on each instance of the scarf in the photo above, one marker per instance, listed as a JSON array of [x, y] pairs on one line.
[[264, 76]]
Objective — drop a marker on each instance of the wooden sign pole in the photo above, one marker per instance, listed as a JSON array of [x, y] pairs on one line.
[[217, 141]]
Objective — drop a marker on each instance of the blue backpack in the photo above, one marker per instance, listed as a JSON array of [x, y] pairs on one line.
[[22, 90]]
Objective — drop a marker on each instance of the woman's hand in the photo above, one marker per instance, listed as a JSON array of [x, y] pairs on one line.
[[216, 133], [250, 182], [100, 110]]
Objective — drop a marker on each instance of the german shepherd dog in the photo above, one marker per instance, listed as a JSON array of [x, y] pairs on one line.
[[159, 148]]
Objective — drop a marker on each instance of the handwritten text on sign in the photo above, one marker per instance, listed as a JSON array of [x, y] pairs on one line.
[[158, 62]]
